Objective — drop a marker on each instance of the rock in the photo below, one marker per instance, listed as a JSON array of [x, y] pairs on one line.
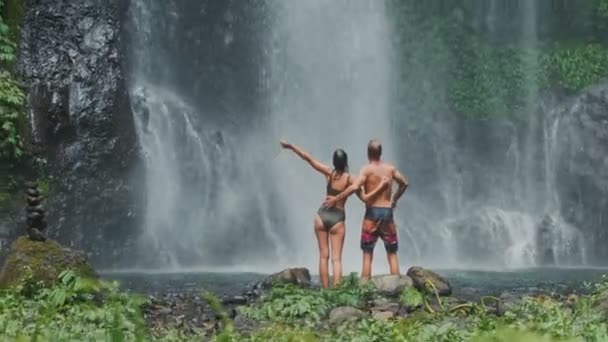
[[32, 192], [35, 235], [550, 228], [391, 285], [43, 261], [379, 301], [506, 303], [35, 217], [35, 220], [33, 200], [164, 311], [383, 304], [35, 209], [383, 315], [297, 276], [344, 314], [581, 156], [236, 300], [421, 276]]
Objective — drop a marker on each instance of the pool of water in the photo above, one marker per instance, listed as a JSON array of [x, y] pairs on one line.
[[464, 282]]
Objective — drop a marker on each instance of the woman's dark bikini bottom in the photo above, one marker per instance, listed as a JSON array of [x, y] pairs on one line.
[[331, 216]]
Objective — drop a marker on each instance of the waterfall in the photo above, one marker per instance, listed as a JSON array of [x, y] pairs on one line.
[[214, 85], [330, 78], [484, 194], [206, 202]]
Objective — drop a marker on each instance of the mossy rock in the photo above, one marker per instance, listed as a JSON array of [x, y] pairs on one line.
[[41, 262]]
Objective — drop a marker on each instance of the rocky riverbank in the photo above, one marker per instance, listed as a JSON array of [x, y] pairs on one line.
[[288, 306], [291, 297]]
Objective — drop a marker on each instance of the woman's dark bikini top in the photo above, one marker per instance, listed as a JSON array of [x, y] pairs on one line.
[[330, 190]]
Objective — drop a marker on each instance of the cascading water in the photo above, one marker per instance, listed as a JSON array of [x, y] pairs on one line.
[[206, 201], [488, 195], [330, 79]]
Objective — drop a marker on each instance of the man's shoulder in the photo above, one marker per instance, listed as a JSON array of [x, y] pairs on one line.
[[366, 168], [389, 166]]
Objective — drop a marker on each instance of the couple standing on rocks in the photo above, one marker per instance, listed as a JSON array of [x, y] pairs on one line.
[[374, 187]]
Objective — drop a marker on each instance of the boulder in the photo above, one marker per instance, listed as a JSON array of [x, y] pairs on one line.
[[344, 314], [391, 285], [383, 309], [299, 276], [382, 304], [421, 277], [383, 315], [41, 261], [296, 276]]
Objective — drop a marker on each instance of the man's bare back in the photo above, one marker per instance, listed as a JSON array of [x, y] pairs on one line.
[[374, 173]]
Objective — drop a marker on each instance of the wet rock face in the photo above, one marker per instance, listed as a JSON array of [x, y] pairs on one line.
[[582, 161], [77, 105]]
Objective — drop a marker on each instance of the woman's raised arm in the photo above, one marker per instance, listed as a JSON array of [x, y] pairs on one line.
[[317, 165]]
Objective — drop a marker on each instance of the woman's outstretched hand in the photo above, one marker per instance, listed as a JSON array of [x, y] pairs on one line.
[[285, 144]]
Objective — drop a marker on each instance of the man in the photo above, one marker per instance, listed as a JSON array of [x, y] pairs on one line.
[[378, 220]]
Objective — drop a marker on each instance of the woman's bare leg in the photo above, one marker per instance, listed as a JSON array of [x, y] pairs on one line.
[[322, 237], [336, 238]]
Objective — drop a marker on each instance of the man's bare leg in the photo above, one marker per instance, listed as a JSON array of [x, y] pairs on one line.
[[393, 262], [366, 272]]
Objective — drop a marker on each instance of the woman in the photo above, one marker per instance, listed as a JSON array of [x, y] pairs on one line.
[[329, 222]]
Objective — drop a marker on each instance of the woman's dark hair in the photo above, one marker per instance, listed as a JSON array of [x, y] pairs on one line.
[[340, 160]]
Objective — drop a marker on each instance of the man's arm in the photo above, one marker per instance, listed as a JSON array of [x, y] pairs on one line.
[[401, 179], [356, 185]]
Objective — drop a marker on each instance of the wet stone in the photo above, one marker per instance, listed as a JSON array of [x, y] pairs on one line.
[[33, 200], [383, 315], [237, 300], [35, 209], [343, 314], [35, 234]]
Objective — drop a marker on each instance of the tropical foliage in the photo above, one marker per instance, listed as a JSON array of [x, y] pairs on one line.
[[453, 60], [11, 96]]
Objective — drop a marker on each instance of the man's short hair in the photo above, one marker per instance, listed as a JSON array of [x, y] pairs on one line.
[[374, 149]]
